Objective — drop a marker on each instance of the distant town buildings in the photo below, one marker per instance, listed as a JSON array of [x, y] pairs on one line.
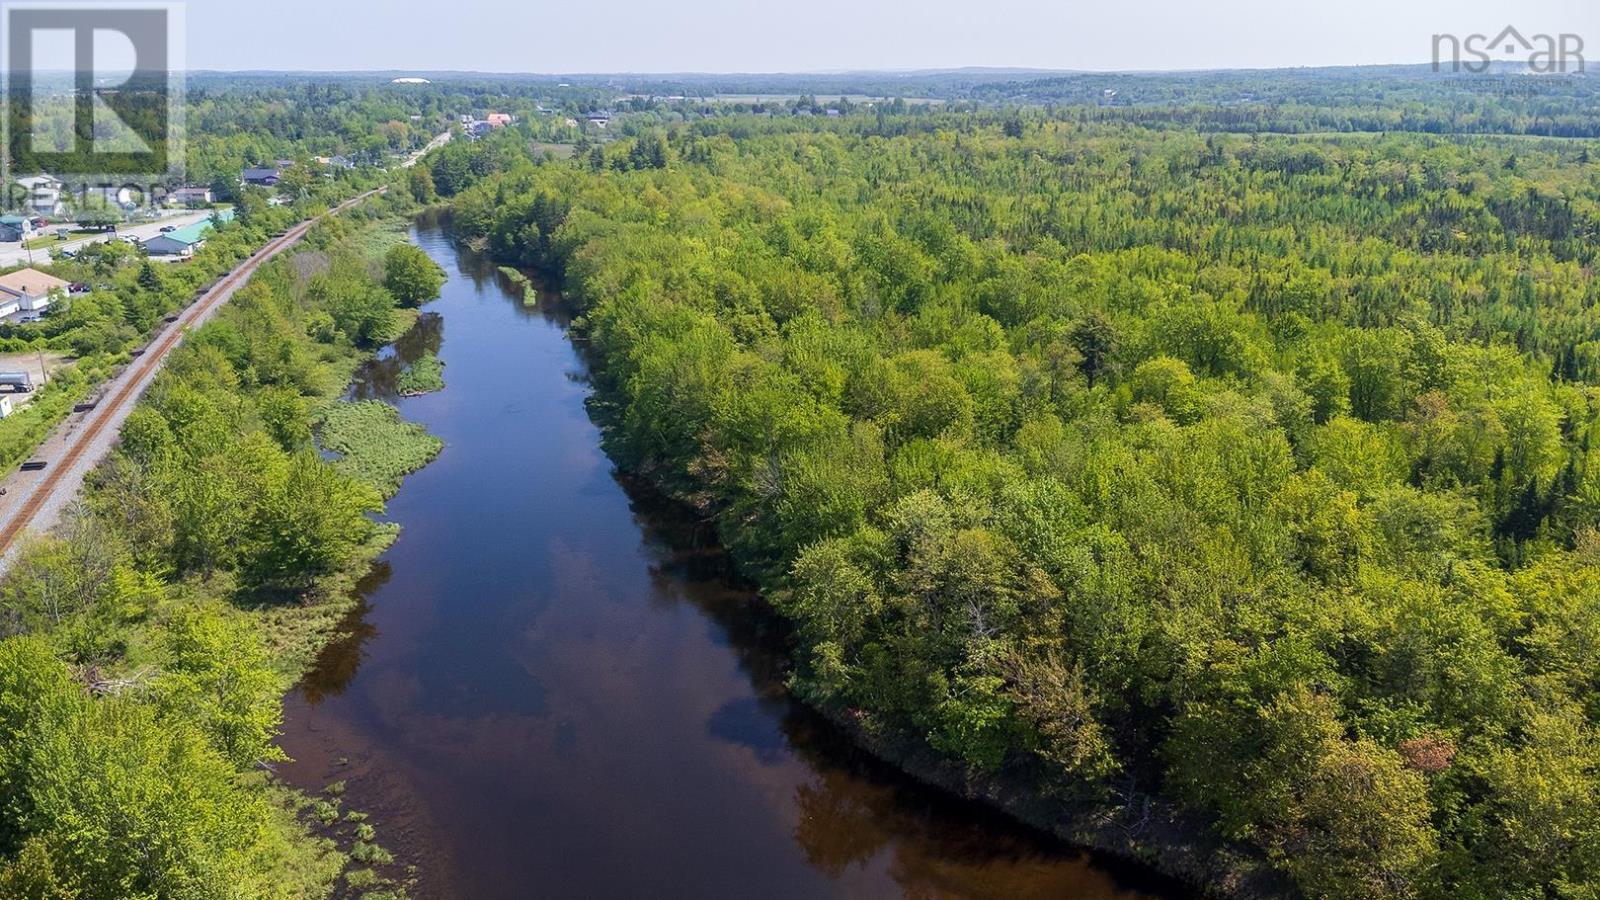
[[263, 176], [42, 194], [15, 228], [191, 196], [409, 80], [186, 240], [121, 197]]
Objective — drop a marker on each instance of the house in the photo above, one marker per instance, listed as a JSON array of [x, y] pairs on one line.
[[265, 176], [124, 197], [600, 118], [182, 242], [15, 228], [27, 292], [42, 194], [336, 162], [186, 240], [498, 120], [191, 196]]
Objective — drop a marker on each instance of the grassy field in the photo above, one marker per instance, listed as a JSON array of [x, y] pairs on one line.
[[51, 240], [559, 151], [373, 242]]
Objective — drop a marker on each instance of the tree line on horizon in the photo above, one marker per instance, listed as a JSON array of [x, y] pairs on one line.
[[1255, 474]]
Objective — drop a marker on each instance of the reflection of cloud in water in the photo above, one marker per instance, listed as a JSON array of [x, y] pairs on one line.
[[572, 688], [745, 723]]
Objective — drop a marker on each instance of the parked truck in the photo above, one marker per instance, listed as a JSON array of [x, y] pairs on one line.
[[16, 382]]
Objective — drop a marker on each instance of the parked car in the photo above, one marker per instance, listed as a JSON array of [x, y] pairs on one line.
[[167, 228]]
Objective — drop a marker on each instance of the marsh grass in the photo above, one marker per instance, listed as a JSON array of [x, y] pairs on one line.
[[524, 286], [375, 445], [424, 376]]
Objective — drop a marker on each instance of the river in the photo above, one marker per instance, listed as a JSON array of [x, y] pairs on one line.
[[552, 687]]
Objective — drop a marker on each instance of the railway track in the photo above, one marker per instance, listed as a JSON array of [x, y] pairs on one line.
[[66, 470]]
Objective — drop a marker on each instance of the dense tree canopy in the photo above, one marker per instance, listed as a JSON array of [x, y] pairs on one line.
[[137, 701], [1252, 473]]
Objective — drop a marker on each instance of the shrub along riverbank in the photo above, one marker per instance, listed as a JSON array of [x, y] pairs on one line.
[[1136, 470], [149, 641], [128, 301]]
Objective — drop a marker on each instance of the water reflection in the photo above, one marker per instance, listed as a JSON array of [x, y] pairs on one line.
[[859, 808], [341, 658], [555, 685], [376, 379]]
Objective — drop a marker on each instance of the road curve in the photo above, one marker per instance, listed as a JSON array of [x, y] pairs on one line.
[[34, 501]]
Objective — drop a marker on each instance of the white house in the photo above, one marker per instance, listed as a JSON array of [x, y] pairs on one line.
[[42, 194], [28, 292], [191, 196]]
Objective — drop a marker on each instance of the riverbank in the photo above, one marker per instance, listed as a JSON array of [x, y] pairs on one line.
[[1147, 831], [553, 678], [1143, 829], [202, 565], [369, 441]]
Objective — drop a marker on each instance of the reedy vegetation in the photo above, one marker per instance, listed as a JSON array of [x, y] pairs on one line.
[[149, 642]]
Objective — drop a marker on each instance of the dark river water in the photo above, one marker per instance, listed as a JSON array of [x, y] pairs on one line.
[[553, 688]]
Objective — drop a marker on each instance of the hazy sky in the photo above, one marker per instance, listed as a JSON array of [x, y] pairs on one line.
[[767, 36]]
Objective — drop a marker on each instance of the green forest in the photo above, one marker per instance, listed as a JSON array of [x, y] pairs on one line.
[[148, 642], [1250, 477]]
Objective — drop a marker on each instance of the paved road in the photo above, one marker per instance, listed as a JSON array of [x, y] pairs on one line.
[[13, 253], [34, 501], [439, 140]]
